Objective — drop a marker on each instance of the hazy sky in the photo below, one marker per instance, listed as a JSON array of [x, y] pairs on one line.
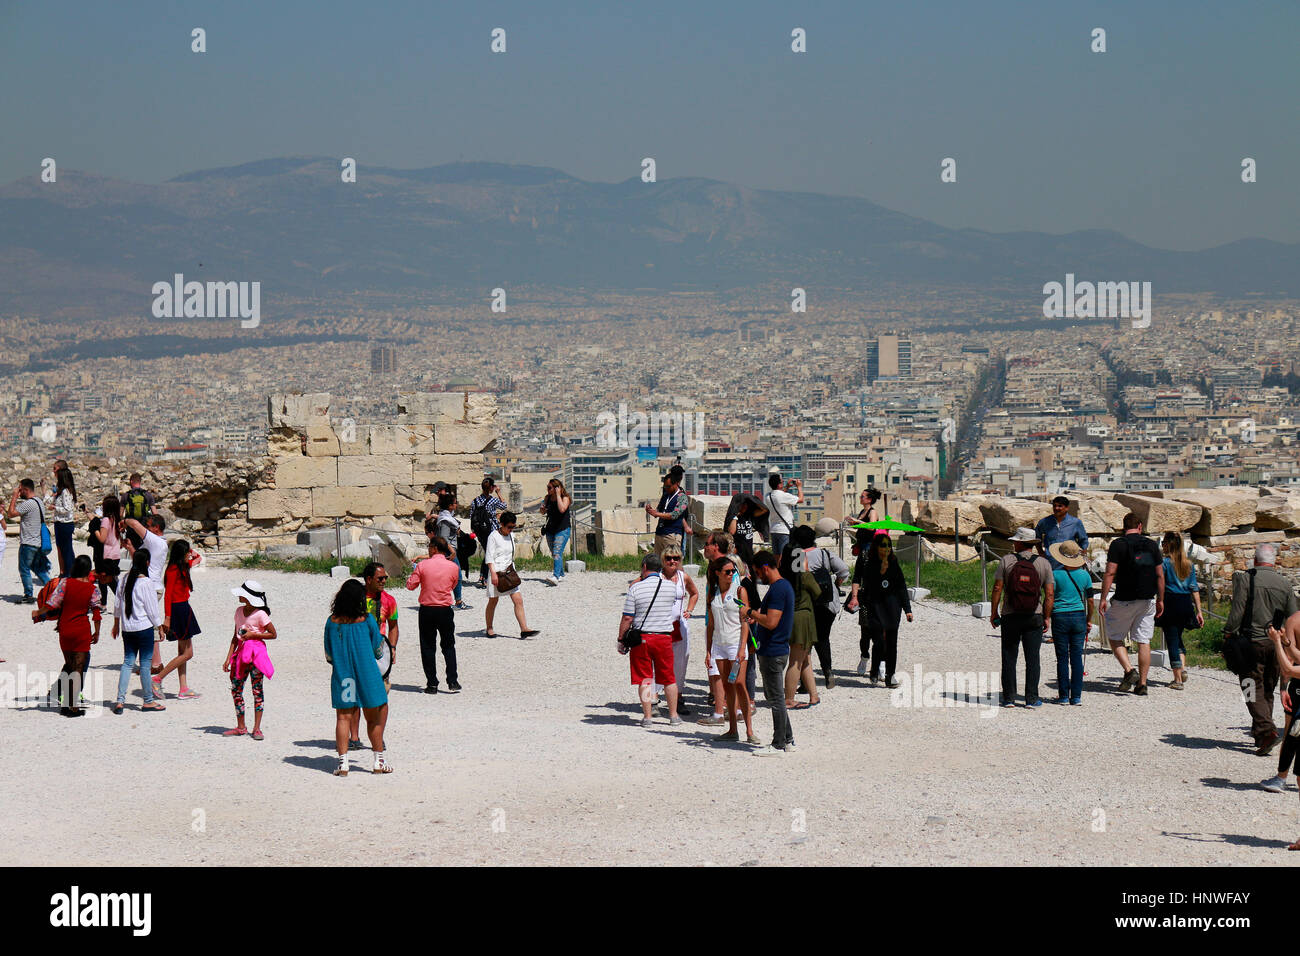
[[1146, 139]]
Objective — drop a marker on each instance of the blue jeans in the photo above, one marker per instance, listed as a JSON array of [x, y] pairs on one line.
[[458, 590], [779, 541], [136, 643], [63, 542], [30, 560], [1069, 630], [558, 542], [1174, 644]]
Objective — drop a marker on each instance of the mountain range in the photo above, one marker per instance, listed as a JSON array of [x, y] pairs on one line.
[[88, 241]]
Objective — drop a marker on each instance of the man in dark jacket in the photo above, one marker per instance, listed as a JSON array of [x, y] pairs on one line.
[[1273, 593]]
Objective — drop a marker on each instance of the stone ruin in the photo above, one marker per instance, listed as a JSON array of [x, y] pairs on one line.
[[1227, 522]]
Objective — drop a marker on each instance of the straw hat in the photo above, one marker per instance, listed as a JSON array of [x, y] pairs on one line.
[[1068, 554]]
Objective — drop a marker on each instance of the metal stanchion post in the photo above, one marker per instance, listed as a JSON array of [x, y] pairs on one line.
[[918, 559], [984, 574], [338, 541], [956, 534]]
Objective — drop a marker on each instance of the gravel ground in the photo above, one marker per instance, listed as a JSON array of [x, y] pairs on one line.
[[541, 760]]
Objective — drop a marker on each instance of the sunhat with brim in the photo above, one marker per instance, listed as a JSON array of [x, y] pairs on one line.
[[253, 592], [1068, 554], [1024, 534]]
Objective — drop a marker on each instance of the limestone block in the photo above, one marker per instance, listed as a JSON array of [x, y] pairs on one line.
[[386, 440], [305, 472], [431, 408], [418, 440], [284, 442], [936, 517], [322, 442], [1099, 515], [296, 410], [708, 512], [343, 501], [480, 408], [354, 439], [287, 503], [453, 469], [1159, 515], [360, 470], [291, 552], [1277, 512], [1223, 509], [455, 438], [617, 530], [1005, 515], [409, 501], [389, 555]]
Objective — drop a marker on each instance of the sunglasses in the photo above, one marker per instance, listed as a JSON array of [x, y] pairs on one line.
[[672, 559], [727, 571], [885, 545]]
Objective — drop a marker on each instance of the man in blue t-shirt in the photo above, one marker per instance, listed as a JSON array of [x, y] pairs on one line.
[[775, 620]]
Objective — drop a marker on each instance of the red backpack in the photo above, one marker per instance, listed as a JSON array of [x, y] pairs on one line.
[[1023, 585], [43, 610]]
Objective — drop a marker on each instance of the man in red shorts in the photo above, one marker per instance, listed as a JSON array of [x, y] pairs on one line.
[[649, 607]]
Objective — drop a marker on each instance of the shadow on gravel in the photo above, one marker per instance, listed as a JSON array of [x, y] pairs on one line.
[[1222, 783], [324, 764], [1204, 743], [1236, 839], [214, 729], [318, 745]]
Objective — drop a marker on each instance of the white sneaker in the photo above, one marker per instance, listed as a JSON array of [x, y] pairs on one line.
[[863, 664], [894, 681], [552, 580], [769, 751], [1274, 784], [789, 748]]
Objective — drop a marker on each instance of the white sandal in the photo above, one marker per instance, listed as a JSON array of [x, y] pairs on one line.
[[342, 769], [381, 765]]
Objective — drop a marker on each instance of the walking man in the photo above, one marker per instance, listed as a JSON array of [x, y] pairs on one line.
[[1137, 567], [1025, 580], [649, 608], [1250, 616], [31, 517]]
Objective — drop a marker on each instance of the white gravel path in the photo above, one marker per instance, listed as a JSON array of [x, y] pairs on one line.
[[541, 760]]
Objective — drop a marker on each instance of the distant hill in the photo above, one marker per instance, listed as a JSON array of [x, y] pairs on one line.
[[292, 224]]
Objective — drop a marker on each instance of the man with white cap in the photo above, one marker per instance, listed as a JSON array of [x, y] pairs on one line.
[[1025, 580]]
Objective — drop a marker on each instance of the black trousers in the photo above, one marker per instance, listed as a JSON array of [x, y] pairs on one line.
[[1258, 688], [1290, 743], [825, 619], [1017, 630], [879, 640], [435, 623]]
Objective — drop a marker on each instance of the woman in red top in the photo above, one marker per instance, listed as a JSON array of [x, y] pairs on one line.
[[77, 598], [179, 623]]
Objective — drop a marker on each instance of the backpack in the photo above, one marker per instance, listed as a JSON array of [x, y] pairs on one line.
[[479, 522], [825, 580], [1023, 584], [135, 504], [43, 610], [465, 548]]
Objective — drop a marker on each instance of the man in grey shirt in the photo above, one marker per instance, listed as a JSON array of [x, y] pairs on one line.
[[24, 506], [1273, 593]]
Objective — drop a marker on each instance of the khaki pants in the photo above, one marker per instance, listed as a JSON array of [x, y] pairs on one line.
[[663, 541]]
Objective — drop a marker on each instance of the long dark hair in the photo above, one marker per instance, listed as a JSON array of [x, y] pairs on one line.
[[350, 602], [873, 558], [716, 565], [63, 480], [139, 566], [179, 558], [112, 511]]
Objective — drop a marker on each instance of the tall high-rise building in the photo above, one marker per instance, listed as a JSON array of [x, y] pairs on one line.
[[383, 360], [889, 356]]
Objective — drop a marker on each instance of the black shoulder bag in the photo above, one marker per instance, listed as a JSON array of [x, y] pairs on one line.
[[632, 636], [1239, 650]]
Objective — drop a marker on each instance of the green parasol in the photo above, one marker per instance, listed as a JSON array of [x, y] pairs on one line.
[[887, 524]]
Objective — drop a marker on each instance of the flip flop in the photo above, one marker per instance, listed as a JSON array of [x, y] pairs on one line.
[[798, 705], [118, 708], [153, 708], [234, 732], [188, 694]]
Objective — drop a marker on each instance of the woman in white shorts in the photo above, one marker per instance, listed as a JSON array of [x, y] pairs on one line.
[[499, 556], [726, 639]]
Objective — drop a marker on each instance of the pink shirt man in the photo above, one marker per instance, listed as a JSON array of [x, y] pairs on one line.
[[436, 578]]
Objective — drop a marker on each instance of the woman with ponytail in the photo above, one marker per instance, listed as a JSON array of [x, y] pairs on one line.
[[136, 614]]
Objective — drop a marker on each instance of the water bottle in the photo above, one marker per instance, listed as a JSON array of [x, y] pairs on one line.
[[735, 672]]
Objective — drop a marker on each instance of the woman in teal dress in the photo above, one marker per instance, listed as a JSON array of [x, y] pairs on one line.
[[352, 642]]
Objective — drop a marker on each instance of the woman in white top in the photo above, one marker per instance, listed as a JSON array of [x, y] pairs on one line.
[[136, 614], [726, 641], [499, 556], [63, 502]]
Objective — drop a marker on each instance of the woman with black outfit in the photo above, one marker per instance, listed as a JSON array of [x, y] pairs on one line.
[[879, 586]]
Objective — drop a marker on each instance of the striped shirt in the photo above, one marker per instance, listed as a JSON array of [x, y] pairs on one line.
[[660, 617]]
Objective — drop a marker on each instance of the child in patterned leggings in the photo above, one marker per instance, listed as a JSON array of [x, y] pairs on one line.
[[248, 656]]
